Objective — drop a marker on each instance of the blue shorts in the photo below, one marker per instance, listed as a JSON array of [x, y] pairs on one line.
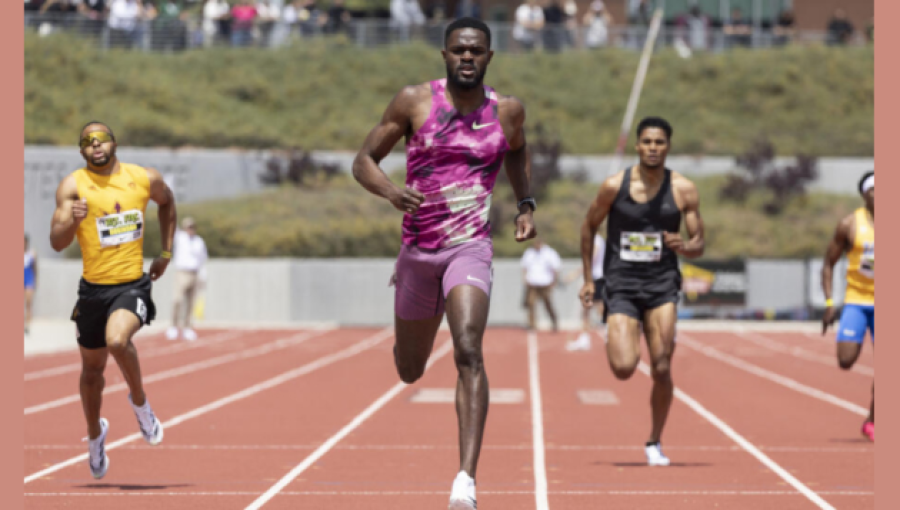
[[29, 280], [855, 319]]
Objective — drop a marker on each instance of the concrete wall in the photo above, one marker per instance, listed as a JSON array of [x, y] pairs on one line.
[[356, 292]]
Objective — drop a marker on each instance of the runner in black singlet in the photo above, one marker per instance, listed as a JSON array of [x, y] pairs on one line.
[[645, 205]]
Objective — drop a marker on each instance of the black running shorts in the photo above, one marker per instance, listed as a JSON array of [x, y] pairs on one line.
[[635, 302], [97, 302]]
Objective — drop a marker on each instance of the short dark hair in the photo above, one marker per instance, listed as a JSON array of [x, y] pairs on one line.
[[96, 122], [865, 176], [467, 22], [655, 122]]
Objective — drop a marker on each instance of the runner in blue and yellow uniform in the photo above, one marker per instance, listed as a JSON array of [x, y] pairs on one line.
[[855, 236], [103, 204]]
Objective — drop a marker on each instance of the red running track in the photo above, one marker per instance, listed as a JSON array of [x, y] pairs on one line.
[[318, 419]]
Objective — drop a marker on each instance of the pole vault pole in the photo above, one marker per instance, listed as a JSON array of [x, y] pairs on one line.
[[636, 88]]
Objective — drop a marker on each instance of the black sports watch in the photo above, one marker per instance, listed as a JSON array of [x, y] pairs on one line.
[[527, 201]]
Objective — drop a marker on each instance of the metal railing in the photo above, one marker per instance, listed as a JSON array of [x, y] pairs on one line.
[[184, 34]]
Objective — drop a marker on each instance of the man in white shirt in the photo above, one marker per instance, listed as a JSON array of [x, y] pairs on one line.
[[583, 342], [540, 265], [529, 23], [189, 258]]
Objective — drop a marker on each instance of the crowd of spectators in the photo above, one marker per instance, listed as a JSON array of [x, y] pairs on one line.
[[551, 25]]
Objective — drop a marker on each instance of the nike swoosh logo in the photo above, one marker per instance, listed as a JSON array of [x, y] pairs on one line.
[[476, 126]]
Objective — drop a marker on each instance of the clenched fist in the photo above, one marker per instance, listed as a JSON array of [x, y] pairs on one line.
[[407, 200], [79, 210]]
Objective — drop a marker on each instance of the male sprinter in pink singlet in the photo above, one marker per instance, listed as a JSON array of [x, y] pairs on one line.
[[457, 132]]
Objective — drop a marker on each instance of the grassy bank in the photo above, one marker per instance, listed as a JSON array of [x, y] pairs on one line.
[[327, 95]]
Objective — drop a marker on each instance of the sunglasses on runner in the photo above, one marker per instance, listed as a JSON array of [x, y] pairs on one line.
[[100, 136]]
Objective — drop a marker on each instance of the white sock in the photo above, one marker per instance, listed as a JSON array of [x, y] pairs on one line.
[[463, 487]]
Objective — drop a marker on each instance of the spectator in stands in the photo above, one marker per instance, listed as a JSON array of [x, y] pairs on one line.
[[540, 269], [784, 28], [738, 30], [268, 14], [337, 18], [189, 258], [529, 23], [169, 31], [554, 17], [94, 13], [216, 21], [597, 22], [243, 17], [406, 16], [840, 29], [124, 18], [695, 24], [468, 8]]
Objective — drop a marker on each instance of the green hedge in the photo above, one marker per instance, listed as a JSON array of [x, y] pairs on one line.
[[294, 222], [328, 94]]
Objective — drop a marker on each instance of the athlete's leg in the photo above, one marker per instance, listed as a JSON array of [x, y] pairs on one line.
[[190, 291], [546, 294], [120, 329], [29, 302], [659, 328], [623, 348], [413, 342], [178, 300], [467, 313], [531, 294], [851, 335], [93, 363]]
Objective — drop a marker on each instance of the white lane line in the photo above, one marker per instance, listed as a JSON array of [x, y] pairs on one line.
[[276, 345], [341, 434], [743, 443], [150, 353], [799, 352], [234, 397], [537, 424], [771, 376]]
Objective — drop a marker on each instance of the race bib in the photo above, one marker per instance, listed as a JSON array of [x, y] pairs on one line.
[[867, 261], [116, 229], [641, 246]]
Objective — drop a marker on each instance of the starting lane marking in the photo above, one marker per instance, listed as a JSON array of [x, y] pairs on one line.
[[772, 376], [344, 432], [743, 443], [281, 343], [448, 396], [278, 380]]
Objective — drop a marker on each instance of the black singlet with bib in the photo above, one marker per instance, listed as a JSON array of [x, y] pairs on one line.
[[641, 272]]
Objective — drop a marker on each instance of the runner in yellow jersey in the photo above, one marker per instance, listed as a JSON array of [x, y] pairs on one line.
[[103, 204], [854, 235]]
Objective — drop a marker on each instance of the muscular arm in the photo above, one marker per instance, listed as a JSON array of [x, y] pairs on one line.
[[395, 123], [596, 214], [833, 253], [162, 195], [64, 225], [696, 243], [518, 158]]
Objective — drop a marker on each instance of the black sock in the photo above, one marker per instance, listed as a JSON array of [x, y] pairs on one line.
[[652, 443]]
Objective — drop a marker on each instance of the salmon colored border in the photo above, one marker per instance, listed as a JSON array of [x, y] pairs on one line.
[[887, 108], [12, 209]]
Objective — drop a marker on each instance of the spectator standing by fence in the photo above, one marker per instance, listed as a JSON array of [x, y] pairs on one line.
[[189, 258]]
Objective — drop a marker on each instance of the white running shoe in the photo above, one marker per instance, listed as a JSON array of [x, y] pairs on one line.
[[172, 333], [655, 455], [151, 428], [582, 343], [97, 459], [190, 335], [462, 496]]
